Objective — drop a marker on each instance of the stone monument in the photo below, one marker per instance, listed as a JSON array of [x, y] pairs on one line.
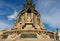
[[28, 27]]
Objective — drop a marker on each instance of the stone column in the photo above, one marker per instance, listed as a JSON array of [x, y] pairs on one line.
[[25, 17], [32, 17]]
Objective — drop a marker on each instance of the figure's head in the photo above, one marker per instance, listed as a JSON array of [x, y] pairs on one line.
[[29, 1]]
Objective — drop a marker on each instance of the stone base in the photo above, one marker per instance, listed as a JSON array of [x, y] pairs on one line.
[[27, 35]]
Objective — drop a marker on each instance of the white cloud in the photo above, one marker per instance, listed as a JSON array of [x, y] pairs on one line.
[[53, 19], [50, 12], [4, 25], [13, 16]]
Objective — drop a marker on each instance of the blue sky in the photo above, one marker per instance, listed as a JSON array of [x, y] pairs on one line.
[[49, 10]]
